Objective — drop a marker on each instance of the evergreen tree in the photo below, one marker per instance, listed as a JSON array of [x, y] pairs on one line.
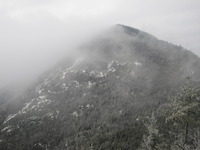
[[184, 110], [180, 130], [154, 139]]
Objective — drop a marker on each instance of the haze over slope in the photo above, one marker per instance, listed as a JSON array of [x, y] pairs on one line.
[[97, 98], [35, 34]]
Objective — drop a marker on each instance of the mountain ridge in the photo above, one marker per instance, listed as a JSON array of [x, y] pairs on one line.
[[98, 98]]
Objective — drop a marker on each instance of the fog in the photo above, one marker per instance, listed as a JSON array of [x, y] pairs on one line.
[[35, 34]]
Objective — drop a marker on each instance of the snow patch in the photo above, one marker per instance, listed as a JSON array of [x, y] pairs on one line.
[[44, 101], [92, 73], [137, 63], [64, 73], [26, 107], [45, 82], [111, 69], [50, 115], [42, 97], [49, 91], [110, 66], [75, 114], [10, 117], [100, 74], [64, 87], [39, 90], [89, 106], [89, 84], [83, 71], [39, 102], [7, 129], [34, 106]]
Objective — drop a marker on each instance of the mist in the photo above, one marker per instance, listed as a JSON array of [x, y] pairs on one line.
[[35, 35], [30, 48], [99, 74]]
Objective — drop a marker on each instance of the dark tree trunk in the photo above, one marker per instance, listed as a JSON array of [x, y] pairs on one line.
[[186, 133]]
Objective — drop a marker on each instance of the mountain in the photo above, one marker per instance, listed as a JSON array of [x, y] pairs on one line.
[[97, 99]]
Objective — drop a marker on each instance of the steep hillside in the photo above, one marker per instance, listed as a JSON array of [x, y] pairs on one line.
[[97, 99]]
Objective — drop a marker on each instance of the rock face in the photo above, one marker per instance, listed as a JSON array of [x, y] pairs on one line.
[[97, 99]]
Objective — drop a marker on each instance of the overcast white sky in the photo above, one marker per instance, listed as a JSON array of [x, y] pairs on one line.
[[34, 34]]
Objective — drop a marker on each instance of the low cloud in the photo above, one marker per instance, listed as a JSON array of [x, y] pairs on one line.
[[36, 34]]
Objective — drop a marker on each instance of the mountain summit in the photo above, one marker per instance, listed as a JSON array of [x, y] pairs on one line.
[[97, 99]]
